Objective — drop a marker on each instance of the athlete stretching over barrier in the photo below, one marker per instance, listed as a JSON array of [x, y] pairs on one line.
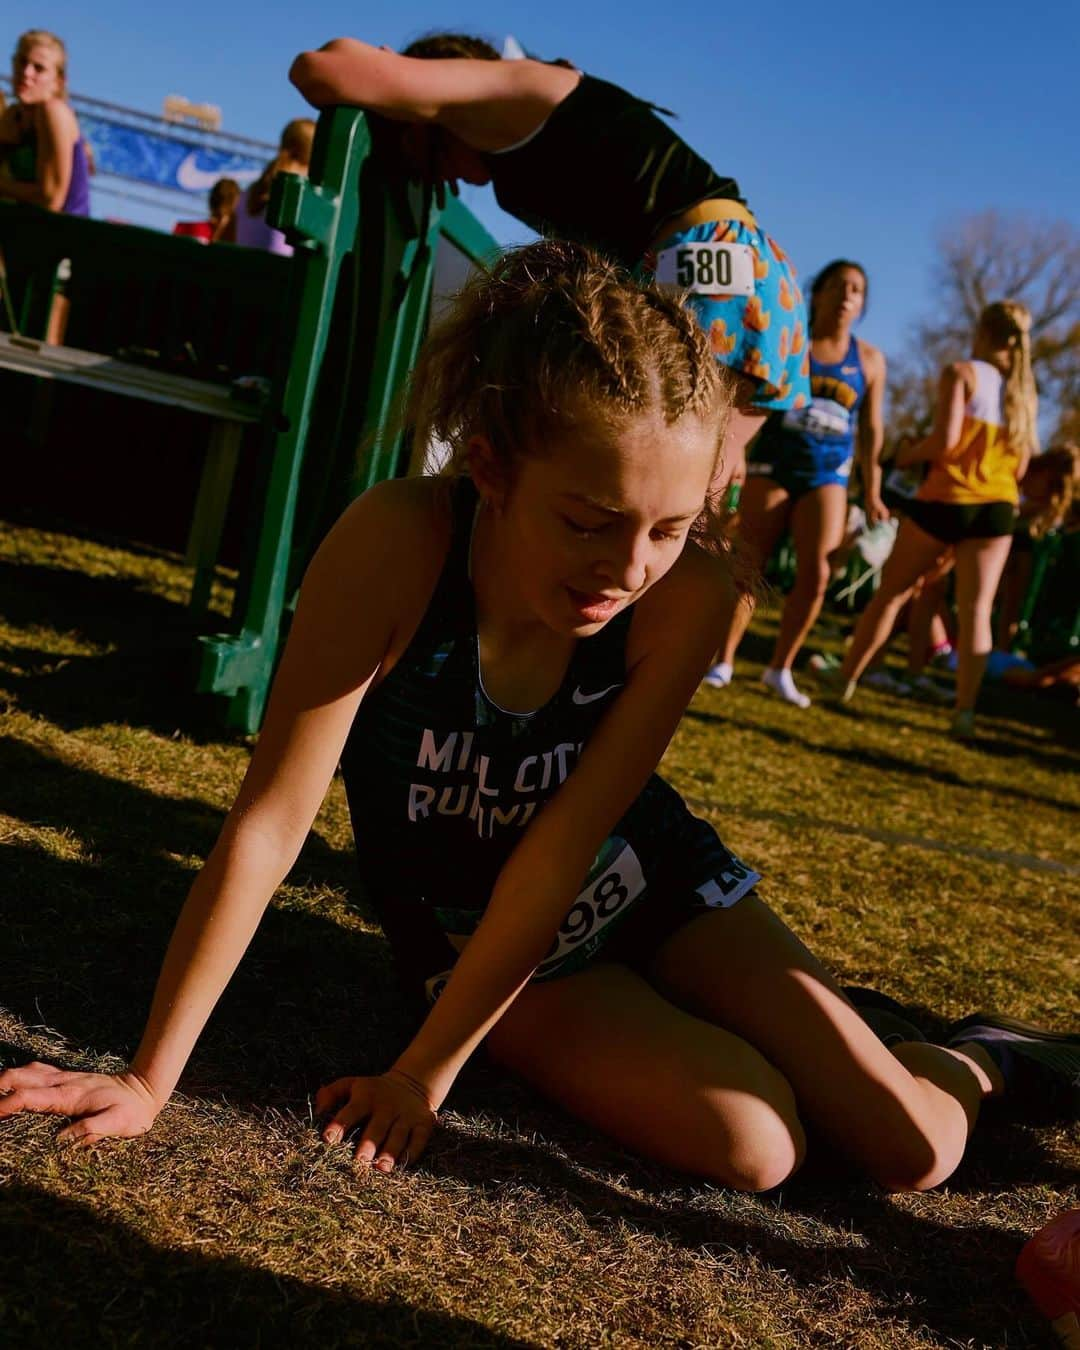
[[576, 157], [499, 712]]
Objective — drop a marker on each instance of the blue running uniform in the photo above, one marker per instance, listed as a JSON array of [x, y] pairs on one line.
[[810, 447]]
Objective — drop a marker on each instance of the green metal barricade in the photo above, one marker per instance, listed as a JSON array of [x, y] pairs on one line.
[[360, 295]]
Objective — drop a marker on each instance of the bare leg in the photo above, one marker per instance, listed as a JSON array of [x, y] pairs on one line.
[[914, 553], [617, 1054], [763, 517], [979, 564], [818, 519], [925, 609], [903, 1116], [1014, 584]]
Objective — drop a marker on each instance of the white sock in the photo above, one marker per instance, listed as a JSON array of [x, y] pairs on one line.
[[719, 676], [781, 682]]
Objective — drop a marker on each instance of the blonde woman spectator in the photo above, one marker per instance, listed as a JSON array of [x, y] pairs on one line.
[[46, 159], [293, 156]]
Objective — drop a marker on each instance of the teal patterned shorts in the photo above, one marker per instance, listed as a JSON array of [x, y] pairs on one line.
[[761, 332]]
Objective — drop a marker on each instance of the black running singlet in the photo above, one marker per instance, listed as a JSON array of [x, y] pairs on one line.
[[604, 170], [442, 782]]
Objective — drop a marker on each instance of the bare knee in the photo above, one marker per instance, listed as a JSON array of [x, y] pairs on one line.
[[757, 1145], [920, 1160]]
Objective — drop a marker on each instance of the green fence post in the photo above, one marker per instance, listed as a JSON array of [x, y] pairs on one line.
[[320, 216]]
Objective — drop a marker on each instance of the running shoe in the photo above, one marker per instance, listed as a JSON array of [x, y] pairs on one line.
[[834, 686], [942, 656], [962, 726], [889, 1020], [718, 676], [1049, 1269], [782, 682], [886, 683], [1041, 1068], [922, 686]]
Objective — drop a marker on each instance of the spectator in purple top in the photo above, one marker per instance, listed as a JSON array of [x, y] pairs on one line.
[[293, 156], [44, 155]]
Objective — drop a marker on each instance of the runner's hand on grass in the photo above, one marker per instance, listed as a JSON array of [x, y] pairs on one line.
[[394, 1111], [101, 1105]]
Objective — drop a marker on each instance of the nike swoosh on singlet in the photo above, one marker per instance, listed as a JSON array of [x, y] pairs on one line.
[[580, 698], [849, 370]]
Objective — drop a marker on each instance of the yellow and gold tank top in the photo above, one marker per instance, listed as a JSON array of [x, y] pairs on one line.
[[981, 466]]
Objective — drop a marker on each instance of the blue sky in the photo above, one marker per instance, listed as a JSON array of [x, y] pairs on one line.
[[853, 130]]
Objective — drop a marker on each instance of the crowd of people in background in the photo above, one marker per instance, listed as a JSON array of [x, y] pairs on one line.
[[806, 435], [498, 712]]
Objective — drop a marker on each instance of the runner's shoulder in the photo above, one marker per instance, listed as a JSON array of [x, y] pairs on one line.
[[872, 358], [396, 533]]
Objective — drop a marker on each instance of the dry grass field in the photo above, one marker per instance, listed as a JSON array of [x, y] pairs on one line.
[[948, 875]]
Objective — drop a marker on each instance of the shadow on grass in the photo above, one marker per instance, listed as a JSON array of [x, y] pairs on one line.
[[82, 941], [912, 1265], [145, 678], [873, 758], [83, 1277]]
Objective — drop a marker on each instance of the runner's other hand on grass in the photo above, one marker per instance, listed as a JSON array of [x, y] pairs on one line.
[[399, 1117], [101, 1105]]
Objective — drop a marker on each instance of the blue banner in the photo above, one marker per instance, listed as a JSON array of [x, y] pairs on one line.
[[165, 160]]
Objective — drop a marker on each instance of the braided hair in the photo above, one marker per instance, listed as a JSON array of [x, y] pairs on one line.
[[555, 339]]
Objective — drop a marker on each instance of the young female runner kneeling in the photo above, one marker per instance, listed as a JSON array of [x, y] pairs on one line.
[[498, 712]]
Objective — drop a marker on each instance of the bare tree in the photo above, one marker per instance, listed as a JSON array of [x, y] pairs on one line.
[[982, 258]]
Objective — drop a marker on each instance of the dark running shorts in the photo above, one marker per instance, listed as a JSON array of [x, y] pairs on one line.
[[661, 868], [952, 523]]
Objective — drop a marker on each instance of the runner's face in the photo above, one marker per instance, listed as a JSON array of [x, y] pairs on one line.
[[435, 154], [585, 529], [842, 296], [35, 74]]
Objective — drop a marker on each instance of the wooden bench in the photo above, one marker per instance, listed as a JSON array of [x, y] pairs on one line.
[[163, 320], [335, 329]]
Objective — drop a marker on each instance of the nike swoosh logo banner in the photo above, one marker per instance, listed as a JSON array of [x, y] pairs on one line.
[[165, 158], [580, 698]]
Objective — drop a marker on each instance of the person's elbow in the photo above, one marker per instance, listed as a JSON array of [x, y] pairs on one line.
[[308, 74]]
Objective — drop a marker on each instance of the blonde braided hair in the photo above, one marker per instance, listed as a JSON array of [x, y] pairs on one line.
[[1007, 324], [555, 340]]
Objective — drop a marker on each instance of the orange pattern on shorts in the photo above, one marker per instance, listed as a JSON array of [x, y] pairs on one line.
[[721, 340], [755, 317], [777, 252]]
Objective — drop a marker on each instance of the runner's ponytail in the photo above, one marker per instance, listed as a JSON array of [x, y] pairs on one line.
[[1007, 325]]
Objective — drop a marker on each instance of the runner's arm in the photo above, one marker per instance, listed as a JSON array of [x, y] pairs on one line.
[[871, 432], [489, 104], [954, 390], [672, 639], [330, 660]]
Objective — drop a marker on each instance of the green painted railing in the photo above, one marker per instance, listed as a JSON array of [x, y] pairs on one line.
[[360, 293]]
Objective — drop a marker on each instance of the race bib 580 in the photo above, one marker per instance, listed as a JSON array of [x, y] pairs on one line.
[[708, 269]]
